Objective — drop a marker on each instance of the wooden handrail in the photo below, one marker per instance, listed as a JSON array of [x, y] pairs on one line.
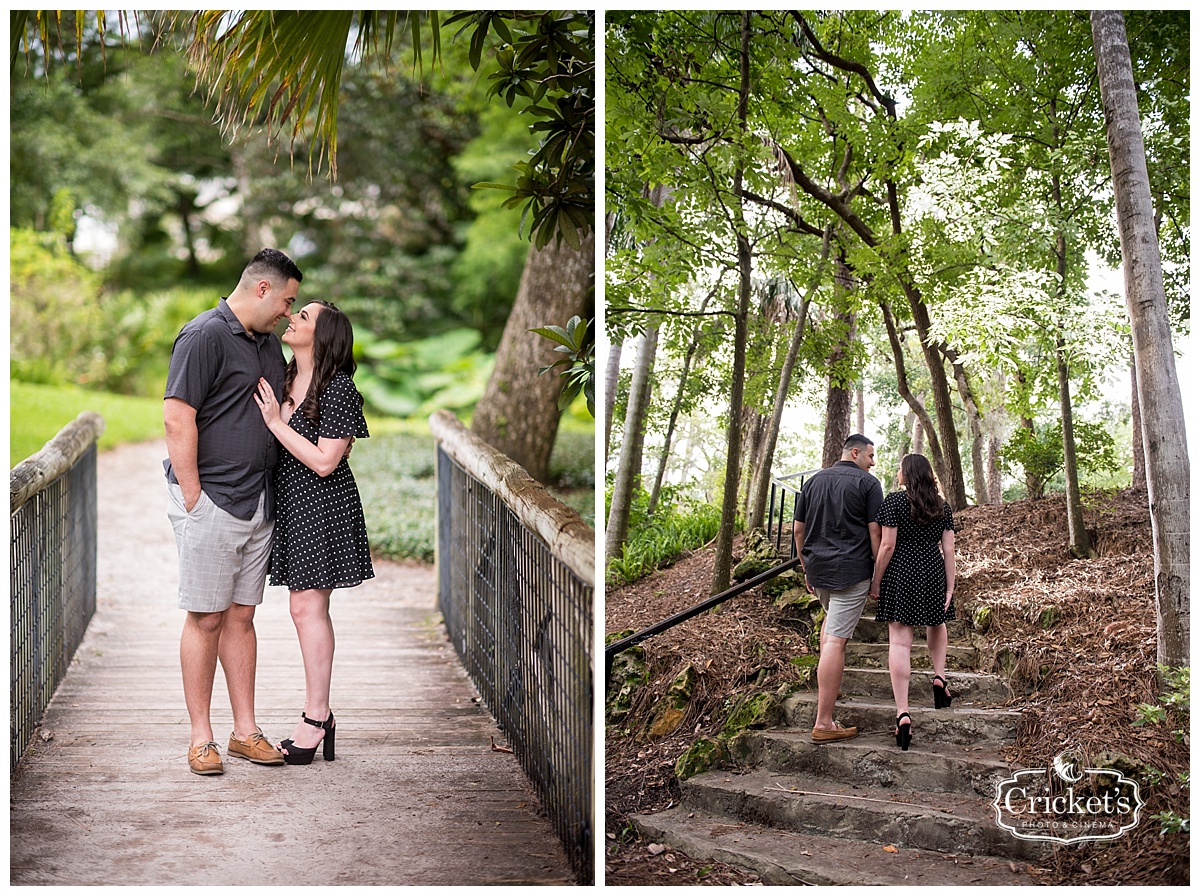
[[54, 460], [570, 539]]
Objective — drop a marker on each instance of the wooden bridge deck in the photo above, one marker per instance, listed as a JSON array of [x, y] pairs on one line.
[[417, 795]]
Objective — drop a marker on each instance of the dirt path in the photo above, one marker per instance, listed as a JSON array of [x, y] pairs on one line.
[[417, 794]]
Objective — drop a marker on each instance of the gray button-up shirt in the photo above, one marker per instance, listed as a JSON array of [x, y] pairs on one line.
[[215, 367], [837, 505]]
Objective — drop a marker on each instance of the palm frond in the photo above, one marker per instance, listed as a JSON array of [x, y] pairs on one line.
[[270, 67]]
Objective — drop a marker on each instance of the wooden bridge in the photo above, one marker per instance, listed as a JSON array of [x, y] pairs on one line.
[[422, 791]]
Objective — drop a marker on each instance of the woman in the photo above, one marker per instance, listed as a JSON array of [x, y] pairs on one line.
[[320, 534], [914, 581]]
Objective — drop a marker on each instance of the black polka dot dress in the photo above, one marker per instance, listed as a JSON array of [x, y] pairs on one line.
[[913, 588], [320, 532]]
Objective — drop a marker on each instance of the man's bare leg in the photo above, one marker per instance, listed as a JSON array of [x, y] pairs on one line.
[[198, 647], [238, 651]]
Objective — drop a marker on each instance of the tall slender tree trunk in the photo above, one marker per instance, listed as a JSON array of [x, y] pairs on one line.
[[1138, 478], [629, 466], [676, 406], [760, 487], [905, 445], [915, 403], [1078, 539], [612, 378], [1168, 470], [974, 427], [995, 481], [518, 414], [723, 559]]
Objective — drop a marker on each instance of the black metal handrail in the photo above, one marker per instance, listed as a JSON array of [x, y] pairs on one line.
[[611, 650], [780, 485]]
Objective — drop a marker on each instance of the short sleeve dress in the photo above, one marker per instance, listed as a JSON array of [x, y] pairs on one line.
[[913, 588], [320, 531]]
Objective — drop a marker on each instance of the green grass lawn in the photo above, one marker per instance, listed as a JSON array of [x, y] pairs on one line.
[[37, 413], [394, 468]]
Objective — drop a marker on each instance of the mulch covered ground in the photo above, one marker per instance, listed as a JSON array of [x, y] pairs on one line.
[[1079, 633]]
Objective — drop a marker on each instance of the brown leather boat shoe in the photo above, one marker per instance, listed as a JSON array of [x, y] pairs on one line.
[[203, 759], [826, 735], [256, 748]]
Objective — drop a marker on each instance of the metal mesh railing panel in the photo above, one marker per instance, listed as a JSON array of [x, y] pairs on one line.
[[521, 622], [52, 560]]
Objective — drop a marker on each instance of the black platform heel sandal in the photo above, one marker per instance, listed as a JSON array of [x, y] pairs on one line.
[[294, 755], [941, 696], [903, 732], [330, 730]]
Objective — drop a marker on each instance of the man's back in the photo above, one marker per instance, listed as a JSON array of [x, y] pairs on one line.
[[836, 506]]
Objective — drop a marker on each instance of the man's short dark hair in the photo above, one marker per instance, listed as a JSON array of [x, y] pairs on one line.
[[856, 441], [270, 262]]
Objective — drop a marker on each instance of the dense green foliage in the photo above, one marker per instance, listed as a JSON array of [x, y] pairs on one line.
[[121, 142], [953, 163], [658, 540]]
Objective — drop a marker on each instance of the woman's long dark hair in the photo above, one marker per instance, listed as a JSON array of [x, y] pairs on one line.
[[925, 503], [333, 351]]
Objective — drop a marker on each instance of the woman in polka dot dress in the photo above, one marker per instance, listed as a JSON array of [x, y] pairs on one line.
[[914, 581], [320, 534]]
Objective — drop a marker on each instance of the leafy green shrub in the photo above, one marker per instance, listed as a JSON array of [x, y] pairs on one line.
[[1039, 453], [138, 334], [54, 311], [397, 482], [573, 461], [658, 540], [406, 379]]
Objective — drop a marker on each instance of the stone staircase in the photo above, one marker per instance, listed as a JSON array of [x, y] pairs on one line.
[[863, 811]]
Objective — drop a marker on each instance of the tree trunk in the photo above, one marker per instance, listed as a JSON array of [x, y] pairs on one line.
[[1139, 448], [974, 427], [952, 474], [906, 437], [675, 408], [762, 481], [612, 376], [1078, 540], [1168, 470], [754, 436], [995, 482], [915, 403], [518, 414], [837, 424], [723, 559], [629, 467]]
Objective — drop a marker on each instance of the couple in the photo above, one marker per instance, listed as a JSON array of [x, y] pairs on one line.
[[241, 507], [854, 543]]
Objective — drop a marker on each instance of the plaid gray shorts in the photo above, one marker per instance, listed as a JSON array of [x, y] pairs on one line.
[[222, 560], [843, 608]]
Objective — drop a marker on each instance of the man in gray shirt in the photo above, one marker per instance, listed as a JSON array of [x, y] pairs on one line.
[[219, 474], [837, 539]]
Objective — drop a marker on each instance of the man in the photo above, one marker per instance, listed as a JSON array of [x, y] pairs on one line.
[[837, 539], [219, 464]]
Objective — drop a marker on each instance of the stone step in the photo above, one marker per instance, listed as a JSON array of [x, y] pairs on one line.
[[873, 758], [963, 723], [973, 688], [873, 632], [875, 656], [790, 858], [942, 822]]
